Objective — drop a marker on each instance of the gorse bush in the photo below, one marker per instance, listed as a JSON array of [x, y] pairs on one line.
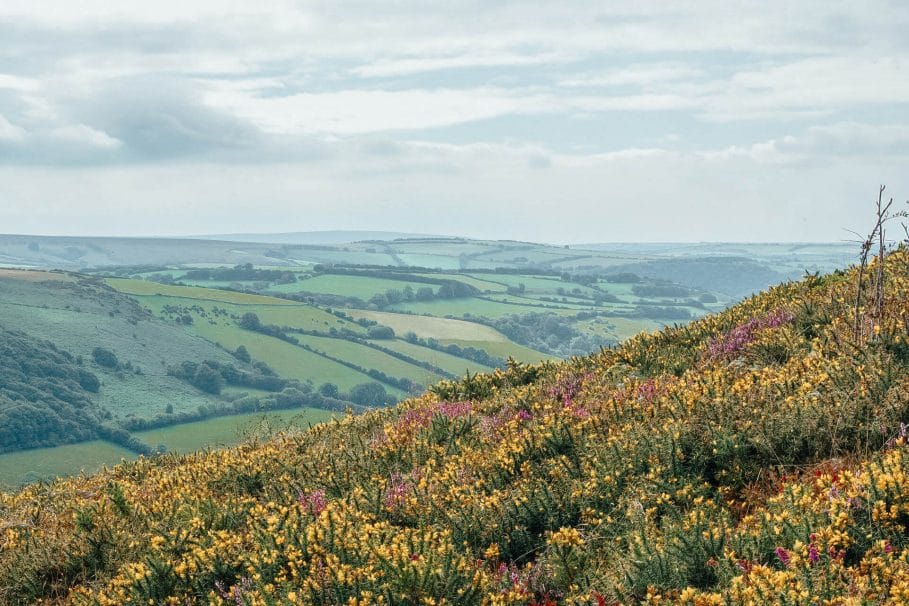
[[757, 456]]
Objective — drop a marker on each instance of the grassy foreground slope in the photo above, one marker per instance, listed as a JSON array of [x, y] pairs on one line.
[[757, 456]]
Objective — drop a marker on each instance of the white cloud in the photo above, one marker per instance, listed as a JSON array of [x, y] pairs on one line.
[[9, 131], [214, 104], [80, 133]]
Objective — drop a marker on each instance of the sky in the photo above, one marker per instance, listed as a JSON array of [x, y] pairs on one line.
[[559, 122]]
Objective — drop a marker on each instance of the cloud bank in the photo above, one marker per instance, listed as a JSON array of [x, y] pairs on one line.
[[691, 121]]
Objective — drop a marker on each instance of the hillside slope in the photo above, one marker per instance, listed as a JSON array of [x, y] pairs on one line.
[[756, 456], [78, 314]]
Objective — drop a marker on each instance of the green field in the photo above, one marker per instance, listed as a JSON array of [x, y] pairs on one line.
[[447, 362], [230, 430], [362, 287], [482, 284], [548, 285], [142, 287], [472, 305], [79, 316], [282, 313], [431, 327], [288, 360], [46, 463], [430, 260], [368, 357], [504, 350]]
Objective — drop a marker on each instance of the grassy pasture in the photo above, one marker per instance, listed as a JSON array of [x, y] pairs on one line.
[[227, 431], [430, 327], [78, 317], [363, 287], [447, 362], [29, 275], [504, 350], [311, 255], [44, 463], [286, 359], [482, 284], [547, 285], [472, 305], [145, 288], [430, 260], [371, 358], [569, 307]]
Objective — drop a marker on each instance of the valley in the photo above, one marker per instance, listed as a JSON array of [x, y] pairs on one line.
[[200, 346]]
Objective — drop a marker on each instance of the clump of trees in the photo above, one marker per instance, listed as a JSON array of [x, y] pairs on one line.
[[241, 273], [211, 376], [369, 394], [660, 290], [474, 354], [105, 357], [547, 332], [45, 395]]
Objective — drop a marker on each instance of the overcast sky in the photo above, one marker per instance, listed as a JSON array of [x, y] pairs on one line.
[[550, 121]]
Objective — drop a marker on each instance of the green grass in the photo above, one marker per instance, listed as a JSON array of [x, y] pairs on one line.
[[142, 287], [430, 260], [227, 431], [565, 308], [286, 359], [362, 287], [46, 463], [504, 350], [472, 305], [339, 256], [547, 285], [447, 362], [431, 327], [483, 285], [78, 317], [371, 358]]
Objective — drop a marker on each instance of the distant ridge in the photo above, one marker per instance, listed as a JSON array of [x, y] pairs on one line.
[[316, 237]]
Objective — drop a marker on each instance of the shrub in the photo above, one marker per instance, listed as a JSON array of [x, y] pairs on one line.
[[105, 357]]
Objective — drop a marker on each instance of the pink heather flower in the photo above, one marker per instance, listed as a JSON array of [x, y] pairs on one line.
[[726, 346], [396, 493], [888, 548], [453, 410], [813, 555], [237, 592], [648, 391], [567, 388], [524, 415], [490, 425], [313, 502], [783, 555], [579, 412]]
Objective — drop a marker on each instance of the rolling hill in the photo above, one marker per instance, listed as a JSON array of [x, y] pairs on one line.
[[755, 456]]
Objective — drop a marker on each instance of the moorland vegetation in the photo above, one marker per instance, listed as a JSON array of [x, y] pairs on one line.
[[754, 456]]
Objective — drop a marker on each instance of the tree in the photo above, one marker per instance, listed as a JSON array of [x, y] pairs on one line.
[[88, 381], [408, 293], [381, 332], [105, 357], [250, 321], [208, 379], [394, 296], [329, 390], [368, 394], [242, 354], [425, 293]]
